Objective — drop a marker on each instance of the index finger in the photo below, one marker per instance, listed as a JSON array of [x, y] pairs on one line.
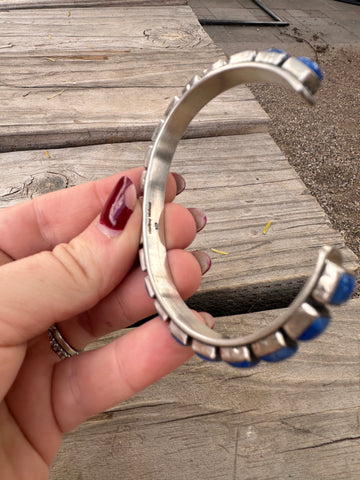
[[44, 222]]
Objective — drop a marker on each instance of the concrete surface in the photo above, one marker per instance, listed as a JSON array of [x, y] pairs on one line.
[[321, 23]]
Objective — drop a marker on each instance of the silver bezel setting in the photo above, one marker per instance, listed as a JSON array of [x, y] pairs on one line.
[[310, 303]]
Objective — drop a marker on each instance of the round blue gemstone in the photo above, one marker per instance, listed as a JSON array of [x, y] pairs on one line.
[[344, 289], [282, 354], [313, 65], [315, 329], [244, 364]]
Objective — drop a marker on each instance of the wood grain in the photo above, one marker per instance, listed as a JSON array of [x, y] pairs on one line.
[[297, 419], [107, 115], [150, 28], [100, 68], [72, 81], [34, 4], [240, 181]]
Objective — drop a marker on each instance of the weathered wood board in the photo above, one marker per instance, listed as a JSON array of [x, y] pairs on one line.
[[17, 4], [75, 80], [240, 181], [104, 69], [100, 115], [297, 419], [144, 27]]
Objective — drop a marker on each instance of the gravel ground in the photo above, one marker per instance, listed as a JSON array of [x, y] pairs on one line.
[[322, 143]]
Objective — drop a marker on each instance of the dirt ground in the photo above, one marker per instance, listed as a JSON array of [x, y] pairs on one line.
[[322, 142]]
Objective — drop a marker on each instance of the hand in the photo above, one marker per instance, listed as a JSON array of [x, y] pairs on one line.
[[63, 263]]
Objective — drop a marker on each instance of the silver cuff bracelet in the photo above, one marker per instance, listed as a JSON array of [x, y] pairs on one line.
[[330, 284]]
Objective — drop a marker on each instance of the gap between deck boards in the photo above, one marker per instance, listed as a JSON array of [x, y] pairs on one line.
[[240, 181], [298, 418]]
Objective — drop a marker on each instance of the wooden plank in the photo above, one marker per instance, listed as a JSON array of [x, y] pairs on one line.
[[241, 182], [297, 419], [81, 70], [100, 115], [32, 4], [70, 81], [47, 31]]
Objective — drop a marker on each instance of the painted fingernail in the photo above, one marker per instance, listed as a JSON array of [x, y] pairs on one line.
[[203, 259], [209, 320], [199, 217], [180, 183], [118, 207]]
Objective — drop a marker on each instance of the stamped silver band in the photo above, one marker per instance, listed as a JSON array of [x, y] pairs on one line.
[[59, 345], [304, 77]]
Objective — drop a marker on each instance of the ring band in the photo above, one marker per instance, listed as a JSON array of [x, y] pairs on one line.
[[330, 284], [59, 345]]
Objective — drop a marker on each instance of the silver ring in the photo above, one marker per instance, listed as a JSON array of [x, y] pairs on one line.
[[330, 283], [59, 345]]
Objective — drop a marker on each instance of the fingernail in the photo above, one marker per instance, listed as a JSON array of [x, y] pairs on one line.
[[118, 207], [208, 319], [203, 259], [180, 183], [199, 217]]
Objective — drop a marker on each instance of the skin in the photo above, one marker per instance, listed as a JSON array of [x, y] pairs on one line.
[[57, 266]]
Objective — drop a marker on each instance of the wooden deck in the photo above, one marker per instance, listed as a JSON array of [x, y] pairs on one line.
[[82, 86], [104, 75], [298, 419]]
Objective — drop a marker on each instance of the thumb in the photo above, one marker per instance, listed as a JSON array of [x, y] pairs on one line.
[[49, 287]]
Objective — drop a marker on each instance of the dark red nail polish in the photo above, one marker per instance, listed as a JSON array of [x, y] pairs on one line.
[[208, 319], [120, 205], [203, 259], [199, 217], [180, 183]]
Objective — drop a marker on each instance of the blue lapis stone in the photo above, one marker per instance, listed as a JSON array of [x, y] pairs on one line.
[[344, 289], [282, 354], [244, 364], [278, 50], [178, 341], [147, 290], [315, 329], [313, 65]]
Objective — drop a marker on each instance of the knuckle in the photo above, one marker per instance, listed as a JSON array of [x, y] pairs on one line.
[[78, 265], [122, 309], [46, 233]]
